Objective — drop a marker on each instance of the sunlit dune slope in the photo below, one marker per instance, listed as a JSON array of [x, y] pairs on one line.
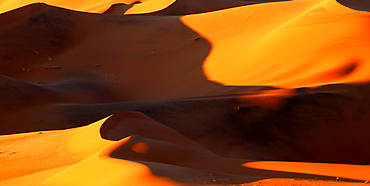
[[290, 44], [327, 124], [149, 6], [28, 153], [329, 44], [138, 57], [84, 5], [183, 92], [139, 155], [93, 6], [184, 7]]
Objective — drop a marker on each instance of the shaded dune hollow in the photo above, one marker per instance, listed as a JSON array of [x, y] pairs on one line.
[[120, 9], [154, 92]]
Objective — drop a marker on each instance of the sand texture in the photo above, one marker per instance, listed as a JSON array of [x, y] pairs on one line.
[[184, 92]]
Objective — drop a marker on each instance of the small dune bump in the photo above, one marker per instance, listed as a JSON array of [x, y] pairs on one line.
[[118, 9]]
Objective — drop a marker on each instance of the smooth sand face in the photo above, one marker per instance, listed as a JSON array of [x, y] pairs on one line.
[[145, 6], [166, 160], [169, 98], [38, 151], [288, 44], [149, 6]]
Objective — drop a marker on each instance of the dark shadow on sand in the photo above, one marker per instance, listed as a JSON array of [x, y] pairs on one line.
[[361, 5]]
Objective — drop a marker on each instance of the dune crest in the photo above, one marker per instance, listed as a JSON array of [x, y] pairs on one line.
[[184, 92], [186, 7], [169, 158], [20, 155], [165, 157], [325, 34], [92, 6], [149, 6], [125, 124]]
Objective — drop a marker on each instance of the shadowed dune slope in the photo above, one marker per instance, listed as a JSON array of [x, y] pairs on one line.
[[327, 124], [159, 157], [85, 5], [356, 4], [122, 58], [175, 160], [173, 149], [142, 6], [141, 58], [120, 7], [186, 92], [18, 96]]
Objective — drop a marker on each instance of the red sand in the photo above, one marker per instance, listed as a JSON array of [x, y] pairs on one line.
[[184, 92]]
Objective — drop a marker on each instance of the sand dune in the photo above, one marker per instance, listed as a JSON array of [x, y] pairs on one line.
[[86, 5], [142, 156], [125, 51], [306, 43], [185, 7], [184, 92]]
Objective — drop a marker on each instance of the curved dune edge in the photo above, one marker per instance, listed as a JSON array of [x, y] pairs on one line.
[[92, 6], [97, 170], [27, 153], [361, 5], [130, 148], [163, 145], [161, 160], [287, 44], [149, 6]]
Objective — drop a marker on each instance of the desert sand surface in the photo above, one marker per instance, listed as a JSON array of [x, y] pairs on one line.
[[184, 92]]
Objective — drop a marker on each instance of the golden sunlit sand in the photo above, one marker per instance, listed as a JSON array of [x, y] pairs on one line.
[[286, 44], [184, 92], [145, 6]]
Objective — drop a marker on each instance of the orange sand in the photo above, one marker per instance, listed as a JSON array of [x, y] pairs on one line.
[[92, 6], [286, 44], [184, 92]]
